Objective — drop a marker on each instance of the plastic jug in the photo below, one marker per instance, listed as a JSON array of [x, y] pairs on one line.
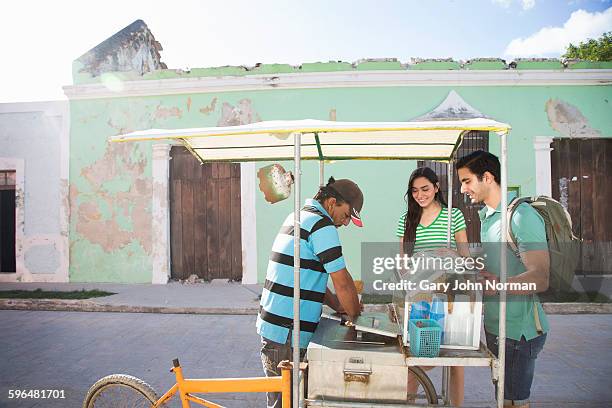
[[438, 311]]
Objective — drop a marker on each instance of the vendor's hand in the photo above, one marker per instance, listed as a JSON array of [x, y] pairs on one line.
[[484, 276]]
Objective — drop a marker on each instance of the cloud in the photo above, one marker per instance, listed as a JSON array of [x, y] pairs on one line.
[[528, 4], [553, 41], [503, 3], [525, 4]]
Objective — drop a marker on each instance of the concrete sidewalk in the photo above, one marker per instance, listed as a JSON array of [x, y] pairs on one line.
[[217, 297]]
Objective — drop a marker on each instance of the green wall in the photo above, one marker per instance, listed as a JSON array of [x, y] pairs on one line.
[[111, 185]]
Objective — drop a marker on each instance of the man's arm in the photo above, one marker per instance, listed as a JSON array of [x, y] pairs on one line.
[[530, 233], [331, 300], [346, 292], [537, 270]]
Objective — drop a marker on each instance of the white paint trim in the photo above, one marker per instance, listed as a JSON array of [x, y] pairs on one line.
[[541, 145], [21, 274], [248, 223], [160, 227], [50, 108], [341, 79], [60, 111]]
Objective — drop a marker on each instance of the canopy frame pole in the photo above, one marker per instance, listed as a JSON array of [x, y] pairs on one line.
[[501, 355], [296, 269], [449, 201], [321, 164], [321, 173]]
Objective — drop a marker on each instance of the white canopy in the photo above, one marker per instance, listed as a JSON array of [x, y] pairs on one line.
[[323, 140]]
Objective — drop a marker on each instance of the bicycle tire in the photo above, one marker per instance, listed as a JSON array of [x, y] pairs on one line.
[[428, 388], [120, 391]]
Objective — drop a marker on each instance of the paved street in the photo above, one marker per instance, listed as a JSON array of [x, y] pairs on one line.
[[71, 350]]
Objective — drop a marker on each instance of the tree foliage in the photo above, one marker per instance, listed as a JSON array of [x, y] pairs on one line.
[[592, 50]]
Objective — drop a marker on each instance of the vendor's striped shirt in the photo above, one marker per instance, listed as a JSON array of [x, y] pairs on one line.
[[320, 255], [434, 235]]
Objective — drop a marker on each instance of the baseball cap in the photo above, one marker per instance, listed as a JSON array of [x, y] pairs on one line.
[[349, 192]]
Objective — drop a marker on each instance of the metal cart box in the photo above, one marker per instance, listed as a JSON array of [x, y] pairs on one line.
[[348, 365]]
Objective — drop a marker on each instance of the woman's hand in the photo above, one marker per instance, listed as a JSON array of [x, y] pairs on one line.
[[445, 252]]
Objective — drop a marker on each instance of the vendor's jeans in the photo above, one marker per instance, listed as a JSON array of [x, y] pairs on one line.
[[272, 354], [520, 366]]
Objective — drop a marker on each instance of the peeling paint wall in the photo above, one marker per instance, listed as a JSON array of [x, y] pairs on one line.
[[111, 186], [110, 193], [33, 141], [568, 120]]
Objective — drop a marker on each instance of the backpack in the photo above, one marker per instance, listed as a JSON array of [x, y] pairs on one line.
[[563, 245]]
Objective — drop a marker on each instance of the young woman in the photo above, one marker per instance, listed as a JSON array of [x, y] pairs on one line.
[[424, 227]]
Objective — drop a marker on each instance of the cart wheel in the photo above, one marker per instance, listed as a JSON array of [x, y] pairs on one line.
[[426, 392], [120, 391]]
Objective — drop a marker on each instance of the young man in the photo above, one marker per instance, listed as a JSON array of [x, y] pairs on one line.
[[526, 323], [335, 205]]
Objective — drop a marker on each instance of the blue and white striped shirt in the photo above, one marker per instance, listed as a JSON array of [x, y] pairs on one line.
[[320, 255]]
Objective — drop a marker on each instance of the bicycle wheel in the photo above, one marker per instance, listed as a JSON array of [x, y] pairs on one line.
[[426, 392], [120, 391]]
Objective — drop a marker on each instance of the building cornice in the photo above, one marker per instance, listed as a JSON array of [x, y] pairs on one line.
[[50, 108], [342, 79]]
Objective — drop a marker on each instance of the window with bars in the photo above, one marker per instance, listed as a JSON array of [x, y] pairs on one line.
[[474, 140], [7, 179]]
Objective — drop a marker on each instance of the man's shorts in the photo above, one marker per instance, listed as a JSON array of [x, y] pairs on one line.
[[520, 366]]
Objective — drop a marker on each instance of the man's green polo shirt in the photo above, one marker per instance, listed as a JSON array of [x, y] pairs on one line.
[[530, 234]]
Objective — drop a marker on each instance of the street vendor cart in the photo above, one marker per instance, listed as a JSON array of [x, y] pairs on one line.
[[351, 357]]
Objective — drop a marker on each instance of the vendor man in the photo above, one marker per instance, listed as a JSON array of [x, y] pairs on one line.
[[526, 323], [335, 205]]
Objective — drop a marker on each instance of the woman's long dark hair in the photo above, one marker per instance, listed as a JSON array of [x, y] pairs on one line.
[[413, 216]]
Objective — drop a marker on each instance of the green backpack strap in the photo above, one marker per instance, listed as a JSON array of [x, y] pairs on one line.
[[510, 238]]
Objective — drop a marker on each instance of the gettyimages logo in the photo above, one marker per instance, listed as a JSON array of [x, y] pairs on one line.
[[412, 264], [384, 271]]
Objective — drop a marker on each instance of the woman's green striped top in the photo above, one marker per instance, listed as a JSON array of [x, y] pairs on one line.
[[434, 235]]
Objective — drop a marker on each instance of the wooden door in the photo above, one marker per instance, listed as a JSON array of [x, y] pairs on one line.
[[580, 172], [475, 140], [205, 232]]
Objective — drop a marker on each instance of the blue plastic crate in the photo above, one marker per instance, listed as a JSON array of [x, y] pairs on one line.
[[425, 341]]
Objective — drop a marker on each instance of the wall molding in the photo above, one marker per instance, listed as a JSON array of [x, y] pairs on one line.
[[160, 213], [541, 145], [343, 79], [248, 223]]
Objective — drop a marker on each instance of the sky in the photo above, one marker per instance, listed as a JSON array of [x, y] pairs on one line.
[[40, 39]]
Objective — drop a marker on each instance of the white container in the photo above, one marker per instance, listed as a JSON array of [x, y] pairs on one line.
[[460, 323], [470, 339]]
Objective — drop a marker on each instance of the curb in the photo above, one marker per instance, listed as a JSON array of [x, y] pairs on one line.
[[65, 305], [577, 308]]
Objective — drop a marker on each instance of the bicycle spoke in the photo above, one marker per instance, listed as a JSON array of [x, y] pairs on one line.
[[120, 396]]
